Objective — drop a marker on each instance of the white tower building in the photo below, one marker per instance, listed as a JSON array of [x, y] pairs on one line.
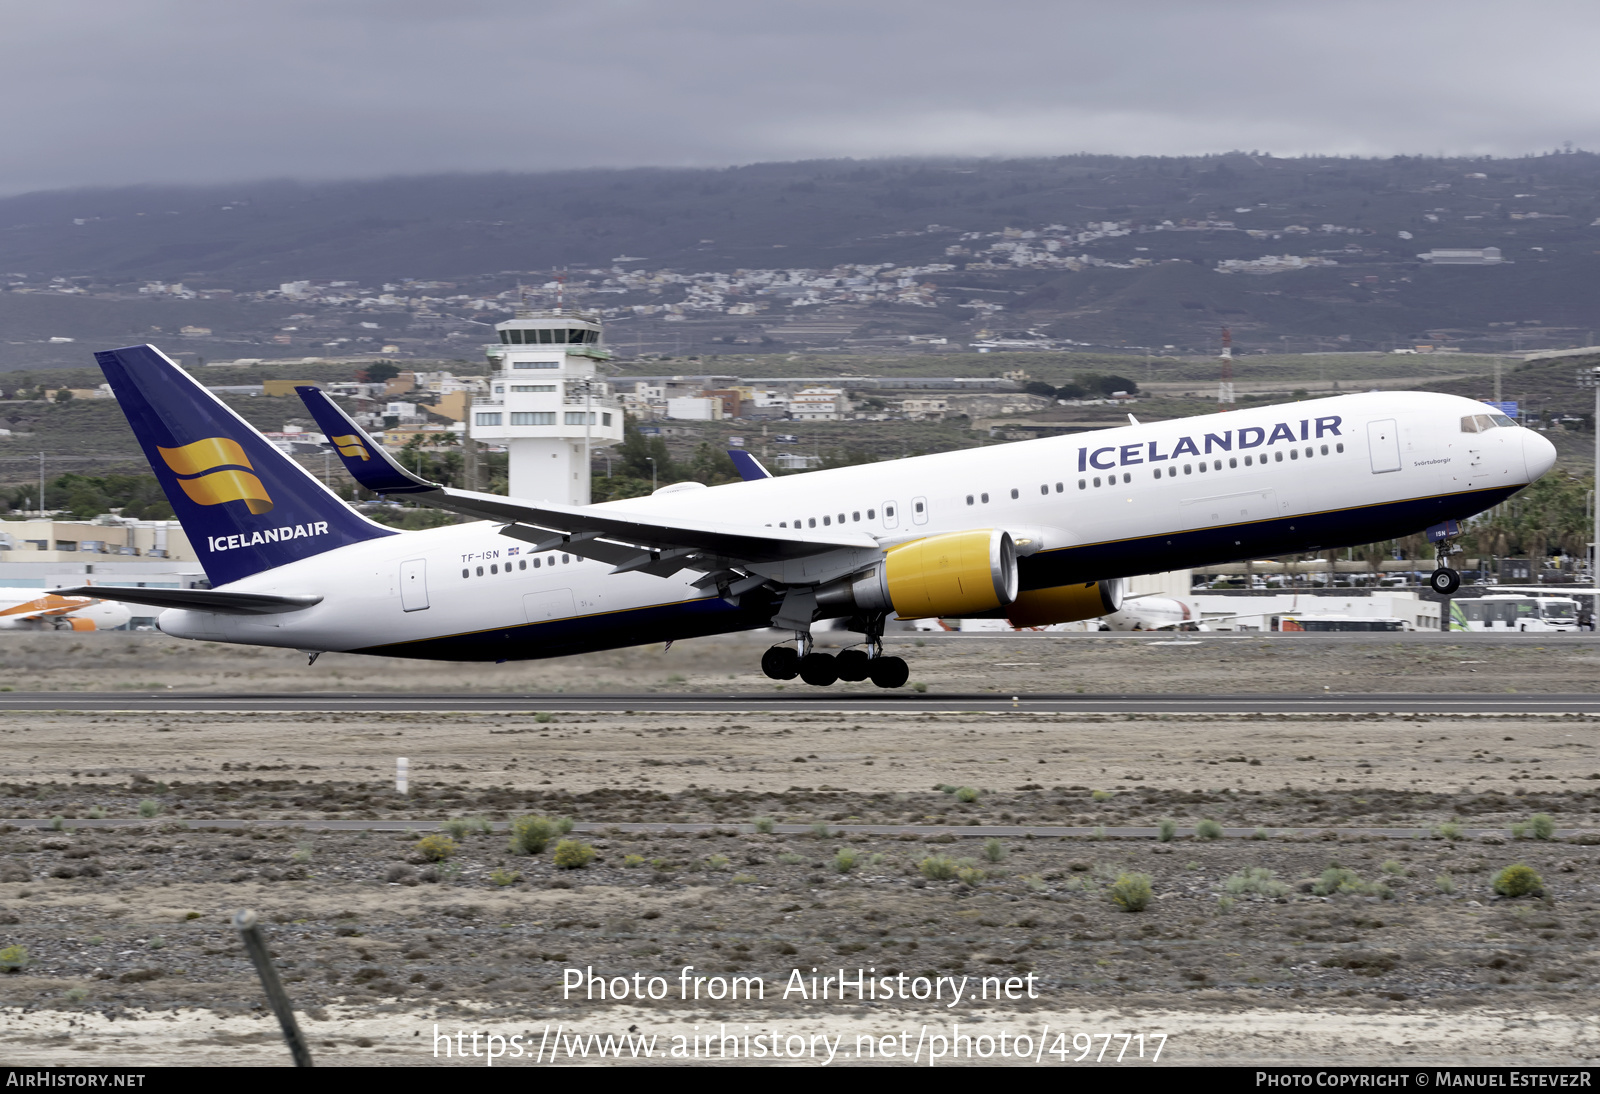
[[547, 405]]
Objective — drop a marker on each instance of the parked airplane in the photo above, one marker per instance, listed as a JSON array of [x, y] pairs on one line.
[[35, 609], [1148, 613], [1037, 531]]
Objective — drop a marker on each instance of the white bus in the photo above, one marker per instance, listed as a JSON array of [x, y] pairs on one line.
[[1514, 613]]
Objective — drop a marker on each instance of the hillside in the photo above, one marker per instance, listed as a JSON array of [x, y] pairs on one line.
[[1100, 252]]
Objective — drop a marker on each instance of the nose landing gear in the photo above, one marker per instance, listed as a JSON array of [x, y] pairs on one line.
[[1444, 581]]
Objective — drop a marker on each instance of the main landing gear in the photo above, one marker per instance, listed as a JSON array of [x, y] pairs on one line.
[[821, 669]]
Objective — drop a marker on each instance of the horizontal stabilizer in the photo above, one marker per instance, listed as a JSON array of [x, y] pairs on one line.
[[197, 600]]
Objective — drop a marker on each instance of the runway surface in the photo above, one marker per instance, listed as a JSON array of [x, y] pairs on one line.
[[817, 700]]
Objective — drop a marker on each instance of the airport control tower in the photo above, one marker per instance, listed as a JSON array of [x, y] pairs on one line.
[[547, 405]]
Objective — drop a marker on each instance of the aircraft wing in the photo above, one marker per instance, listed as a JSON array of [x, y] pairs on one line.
[[639, 541]]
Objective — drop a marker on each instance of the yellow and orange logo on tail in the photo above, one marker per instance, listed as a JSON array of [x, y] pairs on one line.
[[350, 446], [207, 480]]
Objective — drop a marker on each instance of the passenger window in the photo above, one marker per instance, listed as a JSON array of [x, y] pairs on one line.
[[1013, 493], [1324, 450], [1097, 482], [1127, 476], [1158, 472], [1058, 488], [523, 564], [826, 521], [535, 564], [1044, 488], [1294, 453], [466, 573], [1188, 469], [872, 514], [1202, 467], [984, 498], [1233, 462], [1216, 465], [854, 516], [1278, 456], [841, 518], [494, 569], [1339, 447], [565, 560], [1082, 485], [891, 511], [480, 571], [1172, 472], [969, 499], [1247, 460], [811, 522]]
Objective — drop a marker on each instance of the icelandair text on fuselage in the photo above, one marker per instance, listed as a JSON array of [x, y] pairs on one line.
[[271, 535], [1422, 1078], [1252, 436]]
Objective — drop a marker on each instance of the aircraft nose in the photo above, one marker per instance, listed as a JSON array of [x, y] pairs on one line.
[[1537, 453]]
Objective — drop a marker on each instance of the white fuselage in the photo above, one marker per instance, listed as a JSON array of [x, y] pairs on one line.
[[1129, 500]]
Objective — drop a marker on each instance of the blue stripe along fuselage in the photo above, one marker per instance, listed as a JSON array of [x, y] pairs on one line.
[[1231, 542], [1089, 562], [587, 633]]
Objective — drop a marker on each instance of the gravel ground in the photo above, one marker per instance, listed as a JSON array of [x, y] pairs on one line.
[[129, 955]]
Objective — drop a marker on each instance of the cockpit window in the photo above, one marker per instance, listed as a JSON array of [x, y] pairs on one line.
[[1482, 423], [1501, 420]]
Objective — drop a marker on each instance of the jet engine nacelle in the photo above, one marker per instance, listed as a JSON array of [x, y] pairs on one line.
[[957, 573], [1066, 603]]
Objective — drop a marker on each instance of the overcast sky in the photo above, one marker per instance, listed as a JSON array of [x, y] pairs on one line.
[[109, 92]]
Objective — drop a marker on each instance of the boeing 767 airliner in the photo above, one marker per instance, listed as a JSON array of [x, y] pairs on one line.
[[1037, 531]]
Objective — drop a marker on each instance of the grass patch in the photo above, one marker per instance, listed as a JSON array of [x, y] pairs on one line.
[[1518, 880], [530, 835], [1131, 892], [436, 848], [1255, 881], [573, 854]]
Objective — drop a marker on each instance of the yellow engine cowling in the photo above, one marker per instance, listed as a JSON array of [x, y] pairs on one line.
[[957, 573], [1065, 603]]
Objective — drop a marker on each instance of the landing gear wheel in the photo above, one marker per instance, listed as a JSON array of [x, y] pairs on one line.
[[890, 672], [853, 665], [1444, 581], [818, 669], [781, 663]]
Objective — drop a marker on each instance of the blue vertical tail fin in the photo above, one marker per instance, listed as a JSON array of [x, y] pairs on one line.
[[245, 506]]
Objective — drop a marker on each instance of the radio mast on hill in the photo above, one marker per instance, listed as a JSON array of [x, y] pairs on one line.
[[1225, 387]]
